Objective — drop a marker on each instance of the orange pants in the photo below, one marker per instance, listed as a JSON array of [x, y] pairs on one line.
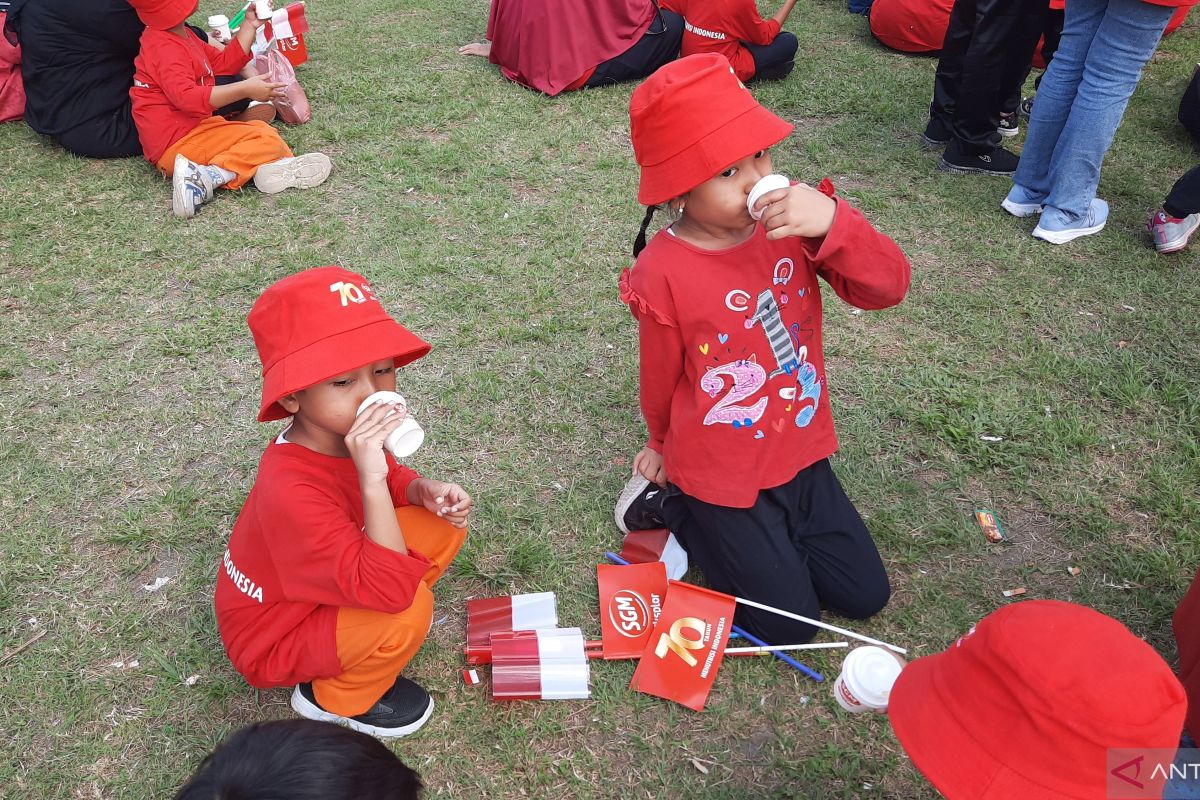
[[375, 646], [240, 147]]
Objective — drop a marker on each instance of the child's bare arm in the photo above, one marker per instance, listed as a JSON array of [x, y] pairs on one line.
[[448, 500], [784, 10], [256, 88], [365, 441]]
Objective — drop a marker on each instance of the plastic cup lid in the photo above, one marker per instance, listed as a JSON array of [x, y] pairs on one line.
[[871, 672]]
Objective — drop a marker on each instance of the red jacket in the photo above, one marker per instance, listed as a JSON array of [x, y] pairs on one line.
[[911, 26], [172, 81], [720, 26], [296, 555], [733, 383]]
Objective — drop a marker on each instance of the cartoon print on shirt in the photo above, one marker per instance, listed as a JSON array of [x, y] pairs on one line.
[[807, 388], [746, 377], [766, 313]]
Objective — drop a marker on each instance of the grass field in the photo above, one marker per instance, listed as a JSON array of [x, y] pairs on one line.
[[494, 222]]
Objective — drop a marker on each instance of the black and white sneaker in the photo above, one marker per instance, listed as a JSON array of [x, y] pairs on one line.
[[403, 710], [1008, 126], [997, 162], [639, 508]]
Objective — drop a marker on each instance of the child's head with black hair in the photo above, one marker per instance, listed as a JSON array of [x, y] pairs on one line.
[[300, 759]]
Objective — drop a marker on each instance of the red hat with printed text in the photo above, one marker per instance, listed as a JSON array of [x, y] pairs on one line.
[[1029, 703], [692, 119], [320, 323], [163, 14]]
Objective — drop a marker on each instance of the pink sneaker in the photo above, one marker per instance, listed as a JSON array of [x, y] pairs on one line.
[[1171, 234]]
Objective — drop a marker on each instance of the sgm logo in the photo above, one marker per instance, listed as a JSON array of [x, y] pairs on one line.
[[629, 613]]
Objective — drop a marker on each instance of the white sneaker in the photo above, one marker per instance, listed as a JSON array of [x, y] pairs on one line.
[[190, 188], [300, 172]]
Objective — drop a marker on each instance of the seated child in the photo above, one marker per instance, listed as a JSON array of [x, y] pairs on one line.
[[755, 47], [326, 579], [1040, 700], [174, 95], [732, 370], [301, 760]]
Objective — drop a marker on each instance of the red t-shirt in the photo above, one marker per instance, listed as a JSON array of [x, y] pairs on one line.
[[720, 26], [173, 79], [1186, 625], [733, 384], [911, 26], [297, 554]]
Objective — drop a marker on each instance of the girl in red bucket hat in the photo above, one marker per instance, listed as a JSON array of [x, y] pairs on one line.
[[1041, 700], [733, 384], [326, 580], [174, 95]]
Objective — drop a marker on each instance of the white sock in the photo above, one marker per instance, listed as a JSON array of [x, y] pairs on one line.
[[218, 176]]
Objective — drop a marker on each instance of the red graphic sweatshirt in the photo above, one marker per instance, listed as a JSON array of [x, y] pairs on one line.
[[298, 553], [720, 26], [733, 384]]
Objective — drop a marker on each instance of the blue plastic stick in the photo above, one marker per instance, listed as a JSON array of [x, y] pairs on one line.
[[816, 676]]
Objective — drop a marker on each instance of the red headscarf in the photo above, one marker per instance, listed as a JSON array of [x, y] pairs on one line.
[[548, 44]]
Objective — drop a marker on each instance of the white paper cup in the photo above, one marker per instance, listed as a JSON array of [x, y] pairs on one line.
[[767, 183], [866, 680], [407, 438], [262, 8], [219, 24]]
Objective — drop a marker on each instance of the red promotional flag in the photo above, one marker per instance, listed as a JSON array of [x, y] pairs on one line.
[[547, 664], [519, 612], [684, 652], [642, 547], [630, 604]]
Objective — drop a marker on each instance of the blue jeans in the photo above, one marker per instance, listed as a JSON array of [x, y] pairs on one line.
[[1105, 44]]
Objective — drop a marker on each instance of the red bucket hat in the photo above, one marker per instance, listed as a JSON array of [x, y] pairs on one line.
[[690, 120], [319, 323], [1028, 702], [163, 14]]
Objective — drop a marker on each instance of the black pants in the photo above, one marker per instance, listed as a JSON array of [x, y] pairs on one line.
[[802, 545], [1051, 36], [985, 56], [658, 45], [1189, 106], [775, 59], [1184, 199]]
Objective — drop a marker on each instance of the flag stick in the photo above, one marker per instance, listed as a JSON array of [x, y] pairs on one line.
[[819, 624], [791, 662], [775, 648]]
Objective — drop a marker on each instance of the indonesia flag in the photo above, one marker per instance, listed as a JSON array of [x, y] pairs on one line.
[[518, 612], [287, 22], [644, 547], [547, 664]]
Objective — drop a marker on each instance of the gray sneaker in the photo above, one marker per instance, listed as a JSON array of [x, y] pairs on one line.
[[1171, 234], [300, 172]]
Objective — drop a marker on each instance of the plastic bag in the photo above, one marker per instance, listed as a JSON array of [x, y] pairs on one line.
[[293, 107]]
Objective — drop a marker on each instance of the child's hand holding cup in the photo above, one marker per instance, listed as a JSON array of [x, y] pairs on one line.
[[767, 183], [406, 439]]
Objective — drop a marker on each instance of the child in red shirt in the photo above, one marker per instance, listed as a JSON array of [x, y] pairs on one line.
[[326, 579], [755, 47], [733, 383], [174, 95]]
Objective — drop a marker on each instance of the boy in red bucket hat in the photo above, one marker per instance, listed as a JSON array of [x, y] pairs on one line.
[[174, 95], [1037, 701], [326, 579], [732, 369]]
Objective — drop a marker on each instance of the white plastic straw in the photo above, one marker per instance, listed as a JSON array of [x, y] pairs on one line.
[[777, 647], [820, 624]]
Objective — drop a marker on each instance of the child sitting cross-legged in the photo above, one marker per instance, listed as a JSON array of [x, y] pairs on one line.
[[326, 579], [174, 95]]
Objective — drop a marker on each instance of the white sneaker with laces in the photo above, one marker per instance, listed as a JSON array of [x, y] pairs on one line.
[[190, 187]]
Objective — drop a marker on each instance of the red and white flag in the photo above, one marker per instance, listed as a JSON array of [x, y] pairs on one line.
[[518, 612], [630, 603], [548, 664], [287, 27], [643, 547], [685, 649]]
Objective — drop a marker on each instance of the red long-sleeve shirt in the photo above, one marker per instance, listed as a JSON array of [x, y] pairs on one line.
[[173, 80], [720, 26], [733, 385], [297, 554]]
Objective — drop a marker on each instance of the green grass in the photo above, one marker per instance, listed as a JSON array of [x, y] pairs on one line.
[[494, 222]]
